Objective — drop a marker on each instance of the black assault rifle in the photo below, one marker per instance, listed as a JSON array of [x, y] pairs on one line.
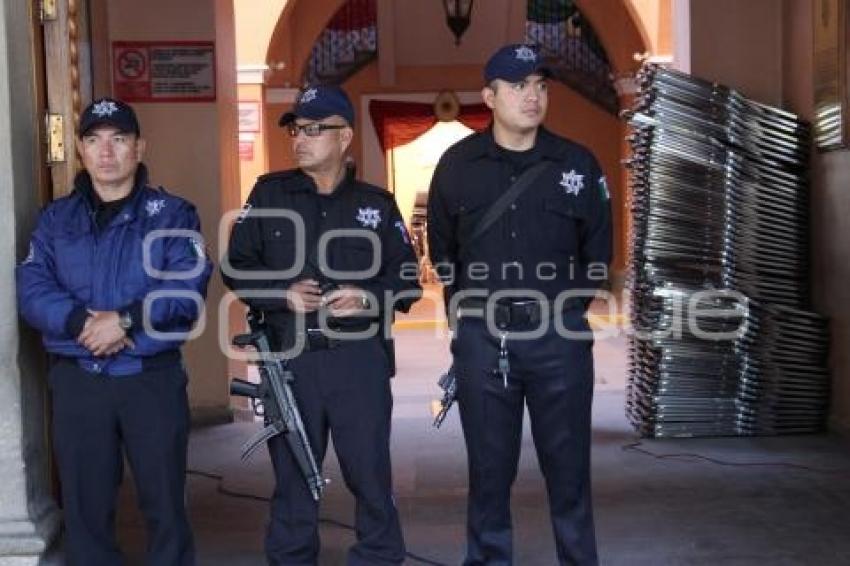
[[273, 400], [448, 383]]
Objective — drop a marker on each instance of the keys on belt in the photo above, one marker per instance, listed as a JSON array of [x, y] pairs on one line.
[[504, 365], [508, 316]]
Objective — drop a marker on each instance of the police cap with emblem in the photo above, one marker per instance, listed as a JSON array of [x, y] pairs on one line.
[[514, 62], [109, 112], [318, 102]]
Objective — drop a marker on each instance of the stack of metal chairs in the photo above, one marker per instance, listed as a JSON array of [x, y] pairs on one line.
[[724, 341]]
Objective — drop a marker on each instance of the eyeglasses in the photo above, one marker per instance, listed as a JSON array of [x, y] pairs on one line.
[[312, 130]]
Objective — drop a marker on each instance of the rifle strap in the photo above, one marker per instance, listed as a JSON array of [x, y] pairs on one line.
[[498, 208]]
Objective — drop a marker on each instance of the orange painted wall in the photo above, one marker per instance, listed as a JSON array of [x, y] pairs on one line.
[[249, 170], [192, 152], [654, 18]]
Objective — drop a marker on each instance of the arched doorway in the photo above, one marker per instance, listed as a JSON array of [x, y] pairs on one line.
[[409, 60]]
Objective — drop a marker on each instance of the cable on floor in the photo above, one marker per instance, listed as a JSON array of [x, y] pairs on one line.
[[219, 479], [636, 447]]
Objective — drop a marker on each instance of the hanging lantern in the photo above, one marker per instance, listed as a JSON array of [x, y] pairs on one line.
[[458, 16]]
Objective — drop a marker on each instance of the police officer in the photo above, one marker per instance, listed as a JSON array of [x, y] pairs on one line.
[[324, 312], [523, 274], [116, 373]]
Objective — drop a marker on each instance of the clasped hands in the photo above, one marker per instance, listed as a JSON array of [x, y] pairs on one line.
[[102, 334]]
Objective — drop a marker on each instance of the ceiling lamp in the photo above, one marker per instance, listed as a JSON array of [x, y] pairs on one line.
[[458, 16]]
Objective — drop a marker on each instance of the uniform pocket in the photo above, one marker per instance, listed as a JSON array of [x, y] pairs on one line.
[[469, 211], [279, 246], [358, 254], [561, 223]]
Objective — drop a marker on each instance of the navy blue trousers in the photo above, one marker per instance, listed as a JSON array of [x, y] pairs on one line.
[[96, 420], [554, 377], [345, 393]]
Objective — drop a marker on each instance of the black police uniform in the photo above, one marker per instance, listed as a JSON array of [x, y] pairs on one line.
[[342, 388], [543, 243]]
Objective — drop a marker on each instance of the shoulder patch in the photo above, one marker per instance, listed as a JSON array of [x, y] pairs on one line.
[[30, 255], [243, 214], [405, 236], [603, 188]]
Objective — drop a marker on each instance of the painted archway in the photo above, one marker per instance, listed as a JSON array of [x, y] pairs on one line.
[[616, 22]]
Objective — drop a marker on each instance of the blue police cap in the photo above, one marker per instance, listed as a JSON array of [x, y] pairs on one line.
[[515, 62], [109, 112], [320, 101]]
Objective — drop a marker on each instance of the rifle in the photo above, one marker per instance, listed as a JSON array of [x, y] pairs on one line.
[[272, 399], [448, 383]]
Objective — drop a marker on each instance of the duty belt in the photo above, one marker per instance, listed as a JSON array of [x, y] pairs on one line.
[[507, 314], [513, 313], [317, 339]]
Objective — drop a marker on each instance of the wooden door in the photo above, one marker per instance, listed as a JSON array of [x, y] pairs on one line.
[[67, 85]]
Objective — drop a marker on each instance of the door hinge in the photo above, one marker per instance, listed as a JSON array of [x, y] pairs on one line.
[[55, 138], [47, 10]]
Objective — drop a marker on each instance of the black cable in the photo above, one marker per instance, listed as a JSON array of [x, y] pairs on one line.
[[219, 479], [636, 447]]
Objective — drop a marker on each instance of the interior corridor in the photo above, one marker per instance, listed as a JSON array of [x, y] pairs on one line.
[[777, 501]]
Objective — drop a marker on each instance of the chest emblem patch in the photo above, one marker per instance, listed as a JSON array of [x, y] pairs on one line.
[[368, 217], [572, 182], [154, 207]]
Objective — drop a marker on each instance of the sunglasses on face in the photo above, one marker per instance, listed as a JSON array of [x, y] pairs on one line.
[[312, 130]]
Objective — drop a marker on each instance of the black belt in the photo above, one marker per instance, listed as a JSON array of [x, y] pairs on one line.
[[512, 313], [156, 362], [316, 339]]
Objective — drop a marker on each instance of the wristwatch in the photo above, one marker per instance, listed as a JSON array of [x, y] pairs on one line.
[[125, 321]]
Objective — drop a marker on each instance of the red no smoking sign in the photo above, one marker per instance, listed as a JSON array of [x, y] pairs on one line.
[[164, 71], [131, 64]]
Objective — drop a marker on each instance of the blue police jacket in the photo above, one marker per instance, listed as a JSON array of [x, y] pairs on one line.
[[74, 266]]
